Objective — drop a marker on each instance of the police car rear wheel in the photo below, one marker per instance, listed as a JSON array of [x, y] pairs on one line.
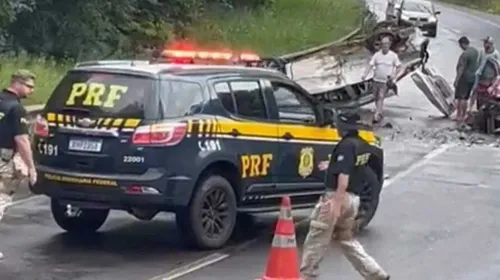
[[369, 198], [86, 221], [210, 219]]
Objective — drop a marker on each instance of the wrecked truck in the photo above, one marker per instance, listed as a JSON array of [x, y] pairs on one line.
[[337, 71]]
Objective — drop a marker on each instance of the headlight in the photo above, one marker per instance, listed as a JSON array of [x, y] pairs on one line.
[[432, 19]]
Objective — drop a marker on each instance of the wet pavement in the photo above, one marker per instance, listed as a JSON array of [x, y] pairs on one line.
[[437, 222], [436, 219], [125, 248]]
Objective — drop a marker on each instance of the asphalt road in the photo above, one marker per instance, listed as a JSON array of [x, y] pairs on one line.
[[436, 219]]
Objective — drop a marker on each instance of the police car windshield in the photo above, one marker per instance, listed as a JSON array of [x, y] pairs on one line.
[[417, 6], [103, 94]]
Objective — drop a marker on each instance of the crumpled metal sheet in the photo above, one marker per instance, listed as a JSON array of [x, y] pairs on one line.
[[436, 89]]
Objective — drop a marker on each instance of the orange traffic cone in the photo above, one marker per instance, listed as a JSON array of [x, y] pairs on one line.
[[283, 262]]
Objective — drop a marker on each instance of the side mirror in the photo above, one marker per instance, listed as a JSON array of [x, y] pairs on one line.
[[437, 13]]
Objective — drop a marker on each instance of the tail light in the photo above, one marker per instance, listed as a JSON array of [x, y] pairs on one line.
[[165, 134], [41, 127]]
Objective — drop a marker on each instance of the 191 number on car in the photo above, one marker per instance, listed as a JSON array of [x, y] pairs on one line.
[[133, 159], [48, 149]]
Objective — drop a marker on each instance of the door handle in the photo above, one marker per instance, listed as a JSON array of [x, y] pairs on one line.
[[235, 132], [287, 136]]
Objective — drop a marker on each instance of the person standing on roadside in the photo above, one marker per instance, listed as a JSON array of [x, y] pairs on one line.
[[336, 211], [385, 65], [486, 71], [464, 80], [14, 137]]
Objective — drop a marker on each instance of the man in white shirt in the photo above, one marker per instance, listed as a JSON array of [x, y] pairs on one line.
[[385, 65]]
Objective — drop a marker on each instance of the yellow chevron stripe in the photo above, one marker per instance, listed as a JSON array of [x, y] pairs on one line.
[[117, 122], [132, 123], [63, 120]]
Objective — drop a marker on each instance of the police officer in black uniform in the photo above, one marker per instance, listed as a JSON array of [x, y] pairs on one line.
[[14, 138], [335, 214]]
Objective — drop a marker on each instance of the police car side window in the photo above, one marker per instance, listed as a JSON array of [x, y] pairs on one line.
[[292, 106], [224, 94], [180, 98], [242, 98]]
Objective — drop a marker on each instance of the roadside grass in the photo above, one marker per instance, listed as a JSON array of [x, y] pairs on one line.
[[489, 6], [284, 27]]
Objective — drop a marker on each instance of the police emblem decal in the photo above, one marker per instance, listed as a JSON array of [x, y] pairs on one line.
[[306, 161]]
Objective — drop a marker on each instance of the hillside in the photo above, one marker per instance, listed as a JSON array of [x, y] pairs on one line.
[[49, 36]]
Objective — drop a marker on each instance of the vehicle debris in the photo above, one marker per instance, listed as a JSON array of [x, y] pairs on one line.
[[339, 84]]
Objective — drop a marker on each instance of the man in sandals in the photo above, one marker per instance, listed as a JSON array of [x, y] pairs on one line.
[[385, 65]]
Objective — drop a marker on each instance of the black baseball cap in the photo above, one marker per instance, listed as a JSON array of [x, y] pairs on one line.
[[349, 121]]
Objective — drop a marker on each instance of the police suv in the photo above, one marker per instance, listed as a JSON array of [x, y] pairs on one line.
[[182, 135]]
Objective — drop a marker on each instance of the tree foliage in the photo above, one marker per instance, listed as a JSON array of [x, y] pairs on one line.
[[91, 29]]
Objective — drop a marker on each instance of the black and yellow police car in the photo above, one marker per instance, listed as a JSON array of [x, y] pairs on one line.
[[206, 142]]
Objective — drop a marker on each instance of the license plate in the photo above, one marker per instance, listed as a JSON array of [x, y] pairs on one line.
[[85, 145]]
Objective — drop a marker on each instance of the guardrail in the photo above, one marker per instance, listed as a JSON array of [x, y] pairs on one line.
[[311, 51]]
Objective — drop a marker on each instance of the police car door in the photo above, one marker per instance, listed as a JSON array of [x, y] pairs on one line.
[[247, 131], [303, 143]]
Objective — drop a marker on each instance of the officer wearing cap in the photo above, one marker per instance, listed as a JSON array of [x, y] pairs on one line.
[[14, 138], [336, 211]]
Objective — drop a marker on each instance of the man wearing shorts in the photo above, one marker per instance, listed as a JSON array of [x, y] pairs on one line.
[[385, 65], [464, 81]]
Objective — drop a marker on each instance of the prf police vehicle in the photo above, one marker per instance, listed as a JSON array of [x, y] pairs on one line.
[[182, 135]]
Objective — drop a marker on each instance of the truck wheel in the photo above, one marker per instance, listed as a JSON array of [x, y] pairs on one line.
[[87, 221], [369, 198], [210, 218]]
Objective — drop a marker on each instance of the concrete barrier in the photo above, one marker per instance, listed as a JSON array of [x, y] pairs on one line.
[[34, 109]]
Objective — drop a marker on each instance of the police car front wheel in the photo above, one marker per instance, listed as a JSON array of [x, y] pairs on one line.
[[210, 218], [77, 220]]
